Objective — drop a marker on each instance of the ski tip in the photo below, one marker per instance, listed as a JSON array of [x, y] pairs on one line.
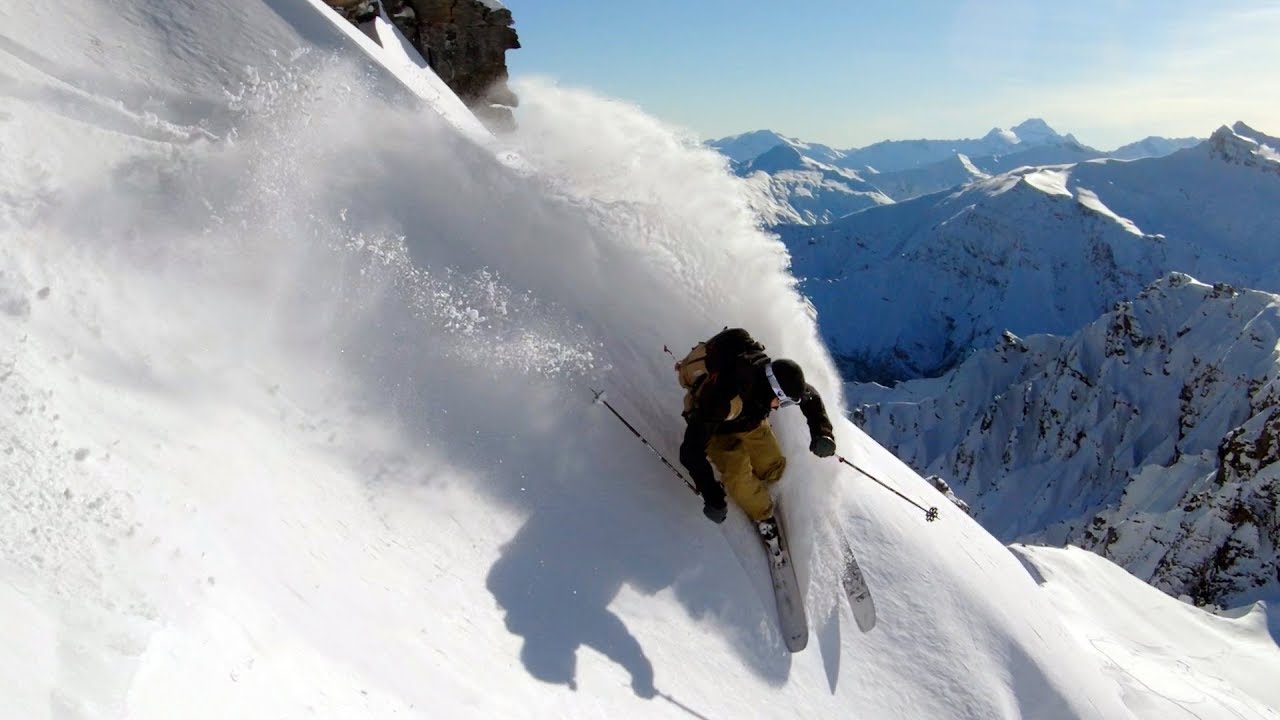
[[797, 643], [866, 621]]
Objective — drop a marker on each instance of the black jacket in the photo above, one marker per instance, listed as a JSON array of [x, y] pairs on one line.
[[710, 416]]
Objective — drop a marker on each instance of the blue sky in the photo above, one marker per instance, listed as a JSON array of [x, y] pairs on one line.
[[848, 73]]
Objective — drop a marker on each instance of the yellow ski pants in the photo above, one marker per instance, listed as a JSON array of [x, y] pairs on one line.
[[749, 463]]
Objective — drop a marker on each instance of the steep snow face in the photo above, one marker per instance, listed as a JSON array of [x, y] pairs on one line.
[[907, 290], [1167, 675], [1152, 437], [297, 423], [794, 188]]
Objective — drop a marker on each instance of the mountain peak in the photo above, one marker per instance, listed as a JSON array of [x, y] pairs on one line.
[[1001, 135], [748, 145], [1243, 130], [780, 157], [1241, 144], [1035, 131]]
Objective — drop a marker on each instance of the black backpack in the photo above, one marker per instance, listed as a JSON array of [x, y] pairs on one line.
[[708, 359]]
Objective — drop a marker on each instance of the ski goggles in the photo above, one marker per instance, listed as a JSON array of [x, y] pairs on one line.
[[784, 400]]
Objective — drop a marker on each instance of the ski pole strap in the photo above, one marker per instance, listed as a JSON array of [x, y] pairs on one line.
[[599, 398], [930, 514]]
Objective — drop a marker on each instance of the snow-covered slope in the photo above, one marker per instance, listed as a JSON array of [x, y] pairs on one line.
[[1150, 436], [296, 424], [935, 177], [793, 188], [1173, 660], [907, 289], [1056, 153], [960, 169]]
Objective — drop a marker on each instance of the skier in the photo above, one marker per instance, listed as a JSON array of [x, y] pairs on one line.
[[733, 386]]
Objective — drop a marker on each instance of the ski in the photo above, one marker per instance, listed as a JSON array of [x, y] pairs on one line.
[[856, 590], [792, 620]]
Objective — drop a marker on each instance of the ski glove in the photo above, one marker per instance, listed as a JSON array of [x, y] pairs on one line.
[[715, 512], [823, 446]]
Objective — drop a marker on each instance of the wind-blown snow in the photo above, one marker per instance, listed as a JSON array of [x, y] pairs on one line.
[[296, 415]]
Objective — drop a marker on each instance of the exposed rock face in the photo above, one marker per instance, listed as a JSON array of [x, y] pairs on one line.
[[464, 41], [942, 487]]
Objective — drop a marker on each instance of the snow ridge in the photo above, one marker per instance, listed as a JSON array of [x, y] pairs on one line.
[[795, 188], [1150, 437]]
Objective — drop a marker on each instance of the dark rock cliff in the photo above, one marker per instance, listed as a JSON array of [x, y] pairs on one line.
[[464, 41]]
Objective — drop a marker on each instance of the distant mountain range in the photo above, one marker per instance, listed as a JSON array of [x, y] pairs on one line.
[[909, 289], [902, 169]]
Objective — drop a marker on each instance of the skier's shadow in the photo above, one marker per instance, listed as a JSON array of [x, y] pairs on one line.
[[557, 577], [556, 597]]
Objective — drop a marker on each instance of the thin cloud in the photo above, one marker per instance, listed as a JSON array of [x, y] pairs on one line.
[[1216, 70]]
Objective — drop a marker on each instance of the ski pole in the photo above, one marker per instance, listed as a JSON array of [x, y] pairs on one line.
[[601, 400], [930, 514]]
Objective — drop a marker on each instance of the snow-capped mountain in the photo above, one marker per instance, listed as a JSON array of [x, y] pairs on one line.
[[1151, 436], [895, 155], [909, 289], [794, 188], [1028, 144], [891, 155], [960, 169], [749, 146], [1153, 147]]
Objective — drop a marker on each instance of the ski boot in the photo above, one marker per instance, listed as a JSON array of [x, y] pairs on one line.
[[768, 529]]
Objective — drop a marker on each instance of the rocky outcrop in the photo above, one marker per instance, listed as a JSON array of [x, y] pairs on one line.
[[1242, 145], [464, 41]]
